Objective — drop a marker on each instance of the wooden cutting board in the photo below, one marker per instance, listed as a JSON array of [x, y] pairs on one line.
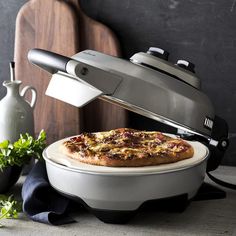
[[61, 27], [99, 115]]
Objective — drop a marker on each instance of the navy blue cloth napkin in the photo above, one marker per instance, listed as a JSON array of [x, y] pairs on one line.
[[40, 201]]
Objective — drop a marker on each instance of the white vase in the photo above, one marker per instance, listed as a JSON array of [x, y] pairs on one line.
[[16, 113]]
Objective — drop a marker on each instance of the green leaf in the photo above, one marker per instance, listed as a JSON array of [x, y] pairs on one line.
[[4, 144]]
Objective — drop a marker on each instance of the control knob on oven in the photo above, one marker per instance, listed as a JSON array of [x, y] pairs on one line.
[[186, 65], [158, 52]]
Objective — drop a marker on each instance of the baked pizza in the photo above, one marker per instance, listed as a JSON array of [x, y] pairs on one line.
[[126, 147]]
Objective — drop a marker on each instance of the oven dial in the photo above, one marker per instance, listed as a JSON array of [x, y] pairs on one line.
[[186, 65], [158, 52]]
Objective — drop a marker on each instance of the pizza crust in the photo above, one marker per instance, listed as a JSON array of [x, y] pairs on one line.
[[87, 156]]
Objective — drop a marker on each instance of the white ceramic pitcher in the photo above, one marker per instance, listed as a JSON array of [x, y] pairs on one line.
[[16, 113]]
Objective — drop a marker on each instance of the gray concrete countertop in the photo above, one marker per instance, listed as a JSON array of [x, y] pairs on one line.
[[209, 217]]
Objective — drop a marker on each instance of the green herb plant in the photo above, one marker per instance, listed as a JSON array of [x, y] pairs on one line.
[[9, 208], [21, 151]]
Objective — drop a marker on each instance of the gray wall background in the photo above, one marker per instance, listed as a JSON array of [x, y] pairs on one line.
[[201, 31], [8, 12]]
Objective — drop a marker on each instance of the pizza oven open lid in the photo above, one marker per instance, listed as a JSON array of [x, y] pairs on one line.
[[147, 85]]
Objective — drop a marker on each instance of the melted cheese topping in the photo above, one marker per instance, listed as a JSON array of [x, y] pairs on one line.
[[127, 144]]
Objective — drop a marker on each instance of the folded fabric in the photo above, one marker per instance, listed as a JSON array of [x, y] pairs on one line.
[[40, 201]]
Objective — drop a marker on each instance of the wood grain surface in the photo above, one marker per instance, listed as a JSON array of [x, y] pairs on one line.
[[61, 27]]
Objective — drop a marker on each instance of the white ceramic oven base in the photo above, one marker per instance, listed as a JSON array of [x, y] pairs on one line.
[[126, 190]]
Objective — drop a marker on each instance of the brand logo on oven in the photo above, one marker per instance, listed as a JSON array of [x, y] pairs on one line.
[[208, 123]]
